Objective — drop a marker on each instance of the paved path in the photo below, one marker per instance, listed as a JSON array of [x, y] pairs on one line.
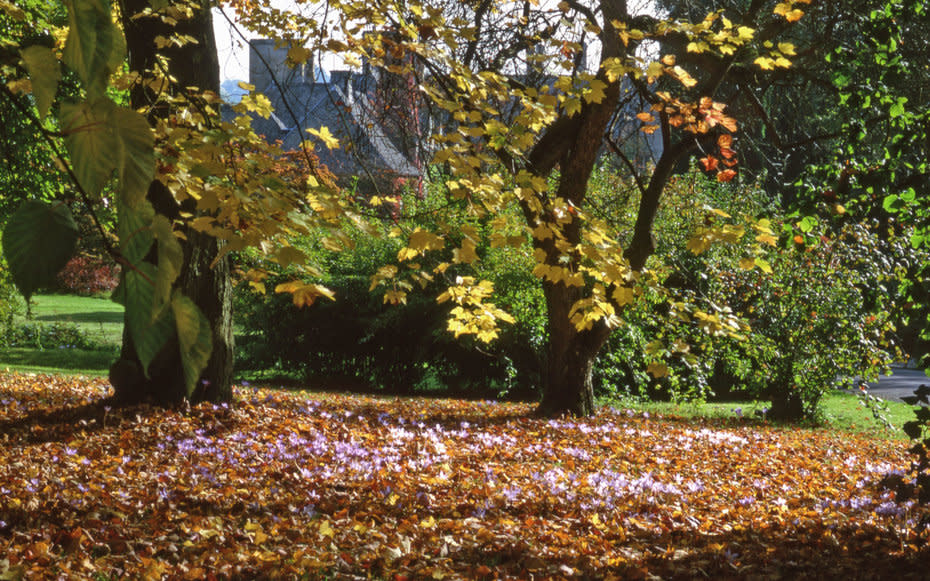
[[901, 383]]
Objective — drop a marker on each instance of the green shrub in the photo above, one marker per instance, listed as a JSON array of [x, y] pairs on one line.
[[11, 303], [357, 338], [824, 313], [651, 332], [823, 318], [47, 336]]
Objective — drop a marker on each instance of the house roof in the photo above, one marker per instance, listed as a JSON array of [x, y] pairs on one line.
[[342, 105]]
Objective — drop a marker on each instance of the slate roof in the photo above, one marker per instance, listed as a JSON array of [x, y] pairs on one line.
[[367, 150]]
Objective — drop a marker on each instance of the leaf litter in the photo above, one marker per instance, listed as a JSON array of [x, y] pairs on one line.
[[294, 485]]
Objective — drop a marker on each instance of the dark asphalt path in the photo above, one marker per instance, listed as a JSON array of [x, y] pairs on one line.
[[901, 383]]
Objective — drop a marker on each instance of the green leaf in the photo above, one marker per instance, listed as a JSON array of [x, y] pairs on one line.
[[38, 241], [44, 72], [150, 331], [170, 260], [135, 230], [897, 109], [135, 163], [194, 338], [91, 142], [807, 224], [95, 47]]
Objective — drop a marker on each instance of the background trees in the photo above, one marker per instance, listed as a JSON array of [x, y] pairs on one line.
[[527, 125], [530, 98]]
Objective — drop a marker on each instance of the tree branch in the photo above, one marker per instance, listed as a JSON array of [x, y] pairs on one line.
[[85, 197]]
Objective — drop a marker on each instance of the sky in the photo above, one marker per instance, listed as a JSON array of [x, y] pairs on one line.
[[233, 51]]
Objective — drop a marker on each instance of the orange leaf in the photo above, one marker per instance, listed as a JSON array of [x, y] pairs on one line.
[[709, 163], [726, 175]]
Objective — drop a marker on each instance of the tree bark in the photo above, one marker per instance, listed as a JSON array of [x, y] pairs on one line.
[[568, 387], [208, 285]]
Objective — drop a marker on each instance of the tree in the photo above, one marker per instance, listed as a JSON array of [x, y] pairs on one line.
[[533, 94], [183, 199], [204, 275]]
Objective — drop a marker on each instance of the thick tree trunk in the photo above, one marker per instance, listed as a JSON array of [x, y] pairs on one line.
[[208, 285], [787, 406], [575, 145], [568, 386]]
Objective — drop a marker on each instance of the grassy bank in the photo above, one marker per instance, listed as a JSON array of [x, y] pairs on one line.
[[98, 319]]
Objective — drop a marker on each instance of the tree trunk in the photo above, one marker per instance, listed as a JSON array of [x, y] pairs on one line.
[[208, 285], [787, 406], [567, 382]]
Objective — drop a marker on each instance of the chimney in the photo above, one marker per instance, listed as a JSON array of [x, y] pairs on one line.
[[275, 64]]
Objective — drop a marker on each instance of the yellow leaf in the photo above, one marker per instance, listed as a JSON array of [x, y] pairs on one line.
[[298, 55], [657, 370], [655, 69], [326, 530], [699, 46], [304, 294], [466, 254], [782, 8], [425, 240], [786, 48], [782, 62], [747, 263], [623, 295], [767, 239], [595, 92], [571, 106], [684, 77], [614, 69], [765, 63], [257, 104], [324, 135], [395, 297]]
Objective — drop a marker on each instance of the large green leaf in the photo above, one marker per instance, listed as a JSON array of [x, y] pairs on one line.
[[194, 337], [38, 241], [136, 154], [44, 73], [150, 331], [134, 226], [91, 142], [170, 260], [95, 46]]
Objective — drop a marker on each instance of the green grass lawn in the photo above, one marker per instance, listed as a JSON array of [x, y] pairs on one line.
[[841, 411], [100, 319]]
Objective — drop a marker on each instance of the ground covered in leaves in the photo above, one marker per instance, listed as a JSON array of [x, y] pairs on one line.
[[283, 485]]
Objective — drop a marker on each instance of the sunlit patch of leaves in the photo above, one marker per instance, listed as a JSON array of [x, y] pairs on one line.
[[284, 485]]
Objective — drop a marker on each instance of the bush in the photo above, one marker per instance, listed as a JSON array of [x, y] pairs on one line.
[[47, 336], [824, 312], [11, 303], [357, 338], [88, 275], [655, 332], [823, 318]]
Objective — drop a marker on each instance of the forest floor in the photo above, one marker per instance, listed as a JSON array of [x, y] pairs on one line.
[[306, 486]]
